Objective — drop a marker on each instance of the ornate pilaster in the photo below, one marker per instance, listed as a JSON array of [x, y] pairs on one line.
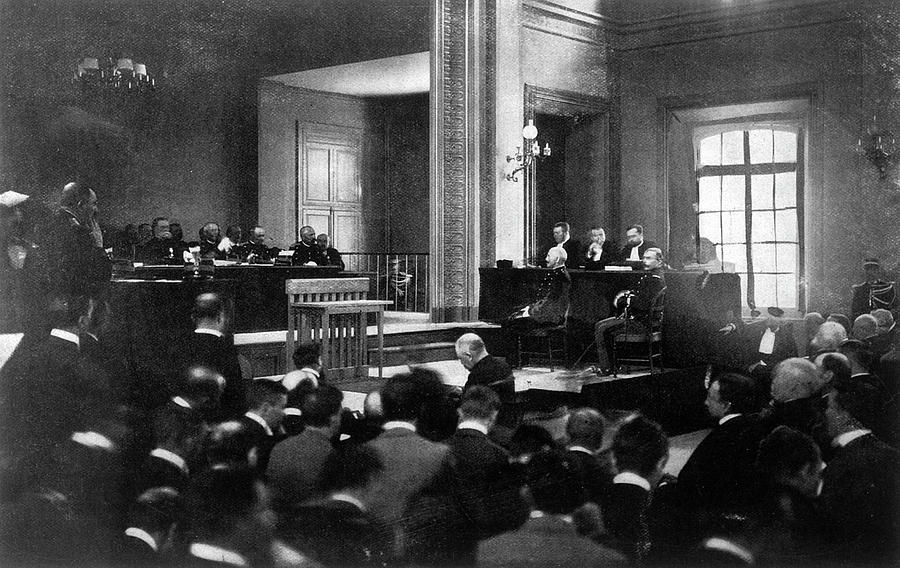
[[455, 159]]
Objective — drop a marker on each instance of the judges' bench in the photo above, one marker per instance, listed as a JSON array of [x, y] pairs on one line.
[[333, 311]]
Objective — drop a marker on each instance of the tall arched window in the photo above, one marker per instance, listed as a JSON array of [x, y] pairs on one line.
[[749, 204]]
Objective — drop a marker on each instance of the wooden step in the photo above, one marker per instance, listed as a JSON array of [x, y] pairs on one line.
[[415, 354]]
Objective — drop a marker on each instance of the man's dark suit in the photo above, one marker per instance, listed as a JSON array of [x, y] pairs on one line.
[[494, 373], [610, 252], [545, 541], [73, 263], [47, 392], [486, 487], [573, 253], [161, 251], [719, 476], [159, 472], [785, 344], [261, 440], [220, 354], [625, 253], [625, 517], [596, 473], [295, 467], [333, 257], [338, 533], [861, 495]]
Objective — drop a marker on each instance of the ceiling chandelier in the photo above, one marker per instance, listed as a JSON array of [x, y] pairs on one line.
[[878, 146], [120, 75]]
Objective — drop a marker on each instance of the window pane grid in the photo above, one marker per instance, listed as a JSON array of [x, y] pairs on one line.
[[760, 189]]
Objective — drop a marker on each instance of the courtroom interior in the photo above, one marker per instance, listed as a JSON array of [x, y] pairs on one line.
[[449, 282]]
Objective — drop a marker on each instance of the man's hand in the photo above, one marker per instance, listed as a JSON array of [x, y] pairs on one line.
[[728, 329]]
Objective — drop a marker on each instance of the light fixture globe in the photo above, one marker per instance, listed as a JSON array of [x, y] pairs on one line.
[[530, 132]]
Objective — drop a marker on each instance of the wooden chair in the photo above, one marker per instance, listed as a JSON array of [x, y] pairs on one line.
[[648, 335], [333, 311]]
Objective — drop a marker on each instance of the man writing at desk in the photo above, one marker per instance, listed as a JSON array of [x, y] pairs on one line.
[[638, 311]]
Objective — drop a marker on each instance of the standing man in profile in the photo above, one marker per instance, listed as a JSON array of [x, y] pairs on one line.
[[635, 245], [307, 251], [564, 241], [73, 244]]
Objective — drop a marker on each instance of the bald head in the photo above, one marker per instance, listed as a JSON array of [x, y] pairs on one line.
[[203, 386], [828, 337], [308, 235], [864, 327], [794, 379], [372, 406], [556, 257], [80, 199], [585, 428], [209, 312], [884, 319], [470, 350]]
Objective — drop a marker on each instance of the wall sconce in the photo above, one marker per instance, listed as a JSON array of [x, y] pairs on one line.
[[878, 146], [527, 154], [121, 75]]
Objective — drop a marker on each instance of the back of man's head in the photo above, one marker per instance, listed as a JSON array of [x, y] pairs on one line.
[[828, 337], [351, 467], [67, 311], [74, 193], [202, 385], [222, 497], [177, 433], [402, 398], [470, 342], [229, 442], [554, 482], [864, 327], [639, 445], [479, 403], [156, 510], [796, 378], [858, 354], [263, 392], [740, 391], [833, 367], [859, 398], [784, 453], [585, 428], [320, 407], [841, 319], [373, 408], [884, 319], [208, 307]]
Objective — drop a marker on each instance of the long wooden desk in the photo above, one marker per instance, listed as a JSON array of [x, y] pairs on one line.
[[695, 305], [259, 290]]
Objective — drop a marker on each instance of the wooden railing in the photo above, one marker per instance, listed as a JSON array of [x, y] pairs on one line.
[[401, 278]]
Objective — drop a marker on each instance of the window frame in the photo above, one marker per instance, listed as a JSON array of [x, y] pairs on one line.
[[747, 170]]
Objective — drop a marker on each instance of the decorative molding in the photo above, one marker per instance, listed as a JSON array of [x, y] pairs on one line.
[[487, 121], [726, 22], [550, 18], [455, 161]]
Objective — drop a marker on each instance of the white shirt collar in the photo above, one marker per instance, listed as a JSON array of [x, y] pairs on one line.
[[66, 336], [631, 478], [581, 449], [291, 411], [259, 420], [473, 425], [208, 331], [536, 514], [728, 417], [172, 458], [217, 554], [143, 535], [181, 402], [348, 499], [393, 424], [93, 440], [843, 439]]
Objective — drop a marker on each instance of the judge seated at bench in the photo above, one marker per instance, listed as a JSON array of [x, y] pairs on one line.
[[259, 248], [600, 252]]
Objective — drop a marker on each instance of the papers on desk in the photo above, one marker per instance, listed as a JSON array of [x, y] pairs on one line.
[[612, 268], [225, 262]]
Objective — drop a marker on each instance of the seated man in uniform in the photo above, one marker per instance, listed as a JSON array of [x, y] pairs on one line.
[[307, 251], [637, 312], [258, 249], [162, 248], [874, 293], [331, 253]]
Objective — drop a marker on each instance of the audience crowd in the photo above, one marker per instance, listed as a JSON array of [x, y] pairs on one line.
[[207, 466]]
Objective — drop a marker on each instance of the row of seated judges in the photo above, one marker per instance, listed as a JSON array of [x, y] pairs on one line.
[[214, 468], [165, 244]]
